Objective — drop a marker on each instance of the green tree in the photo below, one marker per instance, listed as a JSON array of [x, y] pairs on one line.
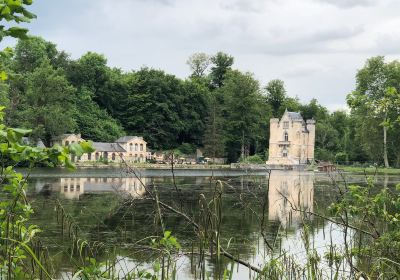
[[93, 122], [33, 52], [374, 100], [276, 96], [242, 113], [221, 65], [198, 63], [49, 100]]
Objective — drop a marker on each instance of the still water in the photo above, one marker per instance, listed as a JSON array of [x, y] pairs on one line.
[[256, 208]]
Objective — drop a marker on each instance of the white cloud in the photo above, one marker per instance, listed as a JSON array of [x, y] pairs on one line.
[[316, 46]]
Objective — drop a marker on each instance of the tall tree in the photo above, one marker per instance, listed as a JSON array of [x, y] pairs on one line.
[[276, 96], [242, 111], [375, 98], [198, 63], [49, 103], [221, 65]]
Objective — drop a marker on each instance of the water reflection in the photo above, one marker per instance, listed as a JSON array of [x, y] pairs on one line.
[[288, 191], [73, 188]]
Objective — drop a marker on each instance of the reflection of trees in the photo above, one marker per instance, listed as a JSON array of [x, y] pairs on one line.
[[106, 216]]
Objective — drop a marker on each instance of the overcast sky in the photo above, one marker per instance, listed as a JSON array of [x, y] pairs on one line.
[[315, 46]]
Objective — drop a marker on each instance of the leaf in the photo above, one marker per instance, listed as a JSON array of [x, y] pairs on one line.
[[21, 132], [3, 75], [17, 32], [76, 149], [5, 11], [87, 146]]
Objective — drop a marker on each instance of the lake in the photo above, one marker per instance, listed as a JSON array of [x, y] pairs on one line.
[[111, 209]]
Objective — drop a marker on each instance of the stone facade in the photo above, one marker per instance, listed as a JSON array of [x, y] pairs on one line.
[[66, 139], [291, 140], [135, 147], [129, 148]]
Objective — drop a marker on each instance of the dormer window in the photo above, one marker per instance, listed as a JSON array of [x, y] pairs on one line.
[[286, 124]]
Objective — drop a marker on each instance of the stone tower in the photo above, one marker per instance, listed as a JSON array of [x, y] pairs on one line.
[[291, 140]]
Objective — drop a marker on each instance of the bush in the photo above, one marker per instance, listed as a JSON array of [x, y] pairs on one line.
[[256, 159]]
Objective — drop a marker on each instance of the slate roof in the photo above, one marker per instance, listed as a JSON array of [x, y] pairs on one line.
[[29, 141], [295, 115], [125, 139], [107, 147], [62, 136]]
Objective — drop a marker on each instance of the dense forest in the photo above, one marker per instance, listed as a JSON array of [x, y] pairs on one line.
[[218, 108]]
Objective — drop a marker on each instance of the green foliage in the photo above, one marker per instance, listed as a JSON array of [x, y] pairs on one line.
[[187, 148], [17, 236], [221, 65], [257, 159], [276, 96]]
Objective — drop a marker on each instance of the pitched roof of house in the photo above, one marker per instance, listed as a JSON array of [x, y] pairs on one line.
[[63, 136], [125, 139], [35, 143], [107, 147], [295, 115]]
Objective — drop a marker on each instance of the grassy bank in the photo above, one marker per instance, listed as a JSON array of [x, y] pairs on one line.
[[154, 166], [369, 170]]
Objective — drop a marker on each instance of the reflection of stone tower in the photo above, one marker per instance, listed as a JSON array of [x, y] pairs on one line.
[[133, 186], [291, 140], [287, 190]]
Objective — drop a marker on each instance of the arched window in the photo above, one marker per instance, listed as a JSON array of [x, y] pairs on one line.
[[141, 147], [130, 147], [113, 156], [136, 147], [66, 143], [97, 156], [105, 155], [89, 156], [286, 136]]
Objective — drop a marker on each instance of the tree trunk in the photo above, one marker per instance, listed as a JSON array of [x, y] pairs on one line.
[[242, 149], [385, 155]]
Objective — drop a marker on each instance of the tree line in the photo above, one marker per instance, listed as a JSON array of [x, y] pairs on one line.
[[218, 108]]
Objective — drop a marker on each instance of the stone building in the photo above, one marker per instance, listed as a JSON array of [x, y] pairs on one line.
[[135, 147], [291, 140], [129, 148], [66, 139]]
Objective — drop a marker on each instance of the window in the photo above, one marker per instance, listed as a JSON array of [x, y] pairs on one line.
[[136, 147], [284, 154], [130, 147], [285, 124], [66, 143], [113, 156], [65, 188], [141, 147], [89, 156], [105, 155], [97, 155], [78, 188], [286, 136]]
